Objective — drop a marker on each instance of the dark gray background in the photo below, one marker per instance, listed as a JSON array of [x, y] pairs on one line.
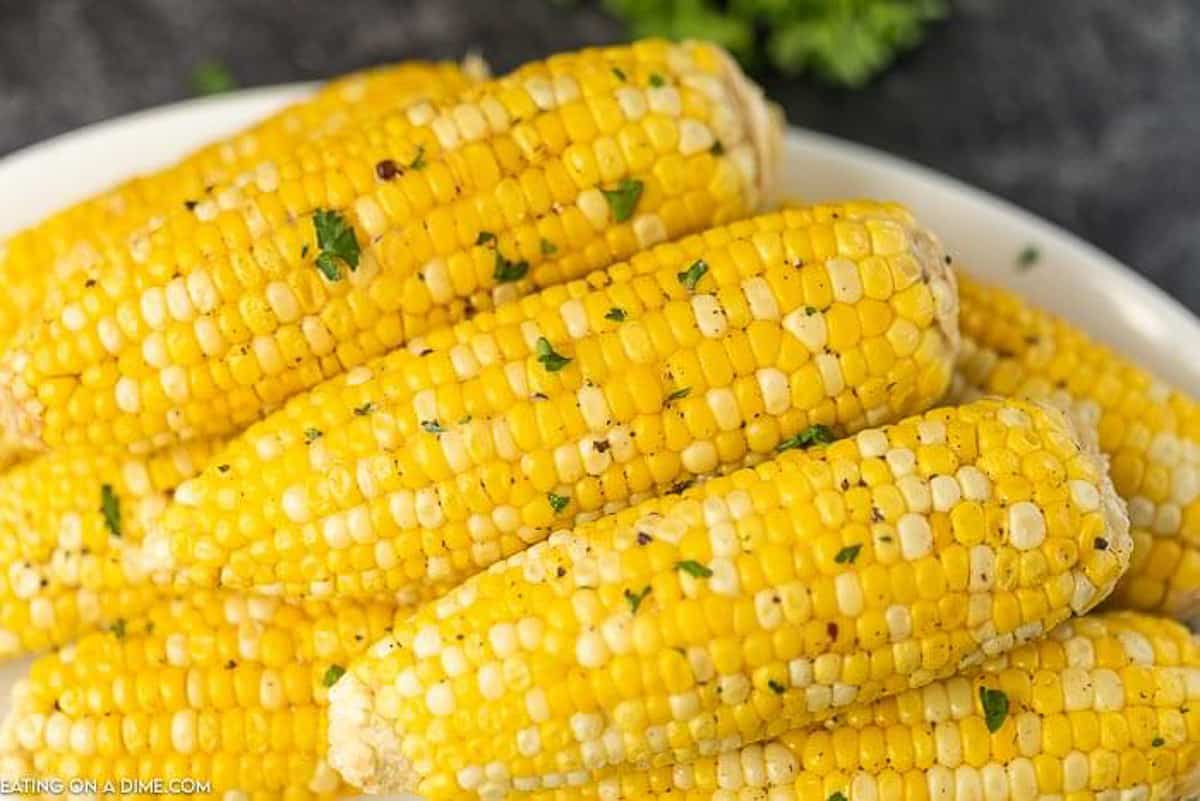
[[1084, 111]]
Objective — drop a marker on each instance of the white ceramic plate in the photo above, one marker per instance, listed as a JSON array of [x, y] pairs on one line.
[[1073, 278]]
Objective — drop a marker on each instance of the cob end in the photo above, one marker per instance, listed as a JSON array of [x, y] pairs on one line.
[[764, 121], [363, 747]]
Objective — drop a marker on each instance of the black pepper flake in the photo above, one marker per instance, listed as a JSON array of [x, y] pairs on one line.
[[776, 687], [190, 205], [1100, 543], [230, 665], [387, 170], [222, 468]]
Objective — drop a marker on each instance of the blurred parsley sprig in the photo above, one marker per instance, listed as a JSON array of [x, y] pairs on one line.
[[845, 42]]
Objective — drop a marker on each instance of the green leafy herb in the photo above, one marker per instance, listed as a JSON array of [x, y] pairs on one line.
[[995, 708], [118, 628], [332, 674], [657, 81], [1028, 257], [809, 311], [617, 315], [623, 200], [816, 434], [312, 434], [776, 687], [717, 148], [365, 409], [848, 554], [557, 502], [682, 392], [418, 162], [110, 507], [432, 426], [693, 568], [635, 598], [692, 275], [620, 73], [506, 271], [336, 239], [485, 237], [212, 78], [1157, 742], [548, 248], [466, 418], [843, 42], [837, 795], [551, 359]]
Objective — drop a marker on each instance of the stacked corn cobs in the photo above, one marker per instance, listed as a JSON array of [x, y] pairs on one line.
[[487, 438]]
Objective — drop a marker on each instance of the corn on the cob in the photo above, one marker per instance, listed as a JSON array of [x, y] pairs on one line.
[[1150, 433], [71, 532], [1107, 707], [360, 241], [435, 461], [756, 603], [73, 242], [219, 689]]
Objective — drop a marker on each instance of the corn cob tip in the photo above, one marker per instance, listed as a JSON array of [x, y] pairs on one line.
[[364, 748], [764, 121]]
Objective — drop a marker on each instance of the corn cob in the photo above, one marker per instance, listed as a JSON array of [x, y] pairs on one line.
[[1150, 433], [408, 474], [34, 261], [1107, 707], [71, 530], [220, 689], [358, 242], [756, 603]]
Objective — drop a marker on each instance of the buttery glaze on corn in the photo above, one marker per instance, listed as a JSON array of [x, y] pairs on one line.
[[69, 567], [1107, 707], [219, 314], [409, 474], [1150, 432], [214, 687], [758, 602], [72, 244]]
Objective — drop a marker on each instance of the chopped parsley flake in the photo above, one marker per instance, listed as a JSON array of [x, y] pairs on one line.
[[336, 239], [816, 434], [332, 674], [313, 434], [776, 687], [995, 708], [551, 359], [110, 507], [365, 409], [1157, 742], [620, 73], [617, 315], [678, 394], [557, 502], [692, 275], [548, 248], [432, 426], [1028, 257], [717, 148], [506, 271], [635, 598], [623, 199], [418, 161], [485, 237], [118, 628], [848, 554], [693, 568], [657, 81]]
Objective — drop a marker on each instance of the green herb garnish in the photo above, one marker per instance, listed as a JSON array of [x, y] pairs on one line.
[[312, 435], [816, 434], [432, 427], [118, 628], [717, 148], [1028, 257], [617, 315], [995, 708], [548, 248], [657, 81], [485, 237], [336, 239], [693, 568], [418, 161], [692, 275], [551, 359], [110, 507], [635, 598], [623, 199], [776, 687], [506, 271], [332, 674], [365, 409], [682, 392], [620, 73], [848, 554], [557, 502]]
